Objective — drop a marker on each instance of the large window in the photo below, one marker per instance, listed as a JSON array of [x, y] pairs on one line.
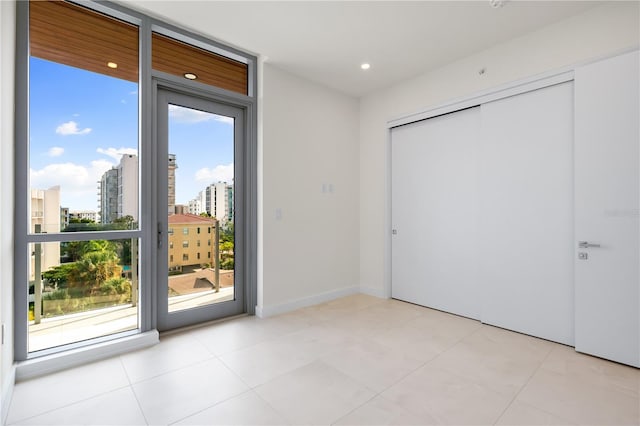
[[86, 167], [82, 159]]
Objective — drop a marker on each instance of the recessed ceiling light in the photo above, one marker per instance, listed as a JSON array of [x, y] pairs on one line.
[[365, 66], [190, 76], [112, 65]]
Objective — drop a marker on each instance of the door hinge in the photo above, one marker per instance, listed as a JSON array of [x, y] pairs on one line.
[[2, 334]]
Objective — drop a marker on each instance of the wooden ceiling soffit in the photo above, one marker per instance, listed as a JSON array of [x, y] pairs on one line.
[[72, 35], [178, 58]]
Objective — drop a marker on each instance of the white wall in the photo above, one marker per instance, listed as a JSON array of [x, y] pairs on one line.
[[599, 31], [309, 139], [7, 49]]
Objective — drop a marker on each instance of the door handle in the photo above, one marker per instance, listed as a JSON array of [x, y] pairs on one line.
[[587, 244]]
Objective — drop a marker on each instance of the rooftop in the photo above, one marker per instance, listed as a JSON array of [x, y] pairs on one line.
[[190, 219]]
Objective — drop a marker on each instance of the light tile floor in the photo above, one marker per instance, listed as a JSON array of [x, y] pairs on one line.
[[358, 360]]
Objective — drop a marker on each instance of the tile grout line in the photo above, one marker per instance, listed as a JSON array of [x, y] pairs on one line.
[[207, 407], [424, 363], [133, 391], [124, 368], [275, 338], [379, 393], [282, 415], [170, 370], [524, 385], [16, 422], [249, 387], [210, 406]]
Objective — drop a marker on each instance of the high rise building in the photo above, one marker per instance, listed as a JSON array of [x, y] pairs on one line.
[[45, 218], [230, 203], [171, 182], [109, 196], [119, 189], [197, 206], [219, 201], [128, 186]]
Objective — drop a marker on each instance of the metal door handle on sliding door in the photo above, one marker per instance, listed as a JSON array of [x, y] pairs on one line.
[[586, 244]]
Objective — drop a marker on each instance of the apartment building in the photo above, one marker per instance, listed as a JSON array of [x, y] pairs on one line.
[[45, 218], [191, 240], [85, 214]]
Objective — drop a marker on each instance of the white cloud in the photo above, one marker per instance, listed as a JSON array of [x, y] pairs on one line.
[[77, 182], [117, 153], [71, 128], [224, 119], [191, 116], [221, 173], [55, 151]]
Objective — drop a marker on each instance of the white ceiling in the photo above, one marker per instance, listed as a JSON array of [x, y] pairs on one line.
[[326, 41]]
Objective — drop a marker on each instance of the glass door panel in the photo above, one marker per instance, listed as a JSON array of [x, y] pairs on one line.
[[198, 140], [200, 208]]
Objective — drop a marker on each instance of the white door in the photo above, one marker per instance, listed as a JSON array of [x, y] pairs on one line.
[[434, 215], [607, 207], [525, 213]]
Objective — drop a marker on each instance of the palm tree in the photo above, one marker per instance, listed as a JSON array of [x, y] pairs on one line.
[[95, 267]]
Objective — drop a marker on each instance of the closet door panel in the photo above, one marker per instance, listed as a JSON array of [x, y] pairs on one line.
[[525, 213], [434, 213]]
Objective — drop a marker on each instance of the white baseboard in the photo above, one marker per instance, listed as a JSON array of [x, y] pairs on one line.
[[268, 311], [7, 393], [380, 293], [63, 360]]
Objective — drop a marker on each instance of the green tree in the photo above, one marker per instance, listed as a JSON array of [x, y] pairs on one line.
[[123, 247], [226, 247], [75, 250], [226, 255], [76, 225], [94, 269], [77, 220], [227, 233], [59, 275], [124, 222]]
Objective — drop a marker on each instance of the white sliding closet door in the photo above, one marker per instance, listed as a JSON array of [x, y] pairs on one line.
[[434, 213], [525, 213]]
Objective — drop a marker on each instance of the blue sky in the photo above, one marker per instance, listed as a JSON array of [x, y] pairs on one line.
[[82, 122]]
